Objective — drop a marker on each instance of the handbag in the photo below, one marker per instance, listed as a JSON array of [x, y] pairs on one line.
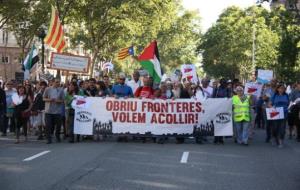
[[26, 114]]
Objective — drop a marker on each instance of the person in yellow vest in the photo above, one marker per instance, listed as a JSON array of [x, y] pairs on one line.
[[241, 115]]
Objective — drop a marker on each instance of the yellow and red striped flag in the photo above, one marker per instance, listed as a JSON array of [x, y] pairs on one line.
[[55, 36], [125, 52]]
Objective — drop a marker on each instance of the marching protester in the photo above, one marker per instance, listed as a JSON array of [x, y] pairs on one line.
[[267, 123], [280, 99], [293, 116], [72, 91], [54, 100], [38, 109], [2, 111], [135, 82], [23, 104], [92, 89], [177, 90], [9, 120], [199, 94], [208, 90], [166, 90], [107, 83], [145, 91], [121, 89], [58, 97], [221, 92], [241, 115], [186, 92], [103, 91]]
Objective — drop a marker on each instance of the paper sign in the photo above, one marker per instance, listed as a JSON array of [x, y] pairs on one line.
[[275, 113], [189, 73], [253, 89], [264, 76], [70, 62]]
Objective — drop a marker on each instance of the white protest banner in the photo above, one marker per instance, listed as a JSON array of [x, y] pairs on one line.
[[189, 72], [264, 76], [253, 89], [70, 62], [158, 117], [275, 113]]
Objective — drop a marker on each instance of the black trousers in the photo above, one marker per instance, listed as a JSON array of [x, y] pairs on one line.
[[259, 120], [297, 123], [71, 128], [2, 122], [219, 139], [53, 123], [21, 122], [9, 122], [268, 130]]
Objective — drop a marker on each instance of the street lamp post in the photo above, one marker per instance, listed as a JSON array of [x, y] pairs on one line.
[[42, 35]]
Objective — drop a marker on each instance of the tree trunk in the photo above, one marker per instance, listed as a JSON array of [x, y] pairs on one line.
[[93, 63]]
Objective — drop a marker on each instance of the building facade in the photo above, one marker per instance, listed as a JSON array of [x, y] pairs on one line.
[[10, 56]]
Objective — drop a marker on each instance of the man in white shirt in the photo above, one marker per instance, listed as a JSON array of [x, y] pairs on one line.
[[208, 90], [135, 83]]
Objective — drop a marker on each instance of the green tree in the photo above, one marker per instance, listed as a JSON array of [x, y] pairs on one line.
[[227, 46]]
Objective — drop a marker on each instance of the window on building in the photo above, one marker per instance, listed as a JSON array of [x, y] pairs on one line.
[[4, 59], [4, 36]]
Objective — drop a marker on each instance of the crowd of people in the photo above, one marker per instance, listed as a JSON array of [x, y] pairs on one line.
[[46, 106]]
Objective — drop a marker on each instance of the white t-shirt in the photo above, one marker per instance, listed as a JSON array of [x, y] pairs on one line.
[[208, 91], [200, 96], [134, 85]]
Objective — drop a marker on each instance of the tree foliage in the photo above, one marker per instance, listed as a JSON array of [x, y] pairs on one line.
[[227, 46]]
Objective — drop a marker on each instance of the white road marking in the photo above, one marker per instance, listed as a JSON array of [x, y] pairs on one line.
[[184, 157], [37, 155]]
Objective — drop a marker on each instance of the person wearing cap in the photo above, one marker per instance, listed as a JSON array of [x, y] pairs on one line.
[[241, 115], [121, 89]]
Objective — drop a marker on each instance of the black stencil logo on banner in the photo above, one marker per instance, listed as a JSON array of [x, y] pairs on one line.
[[84, 116], [100, 127], [204, 129], [223, 118]]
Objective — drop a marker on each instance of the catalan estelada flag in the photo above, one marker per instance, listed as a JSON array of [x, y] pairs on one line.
[[55, 36], [125, 52]]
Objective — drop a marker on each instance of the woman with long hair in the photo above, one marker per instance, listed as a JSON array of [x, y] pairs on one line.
[[280, 99], [23, 105], [73, 90]]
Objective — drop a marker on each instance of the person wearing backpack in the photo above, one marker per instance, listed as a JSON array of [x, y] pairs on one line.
[[280, 99]]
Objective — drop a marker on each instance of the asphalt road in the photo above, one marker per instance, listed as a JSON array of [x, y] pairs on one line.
[[111, 165]]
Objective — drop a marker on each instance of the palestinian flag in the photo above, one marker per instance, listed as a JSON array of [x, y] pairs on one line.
[[31, 58], [150, 61]]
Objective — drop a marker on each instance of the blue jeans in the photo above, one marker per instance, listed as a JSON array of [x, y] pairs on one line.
[[242, 131]]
